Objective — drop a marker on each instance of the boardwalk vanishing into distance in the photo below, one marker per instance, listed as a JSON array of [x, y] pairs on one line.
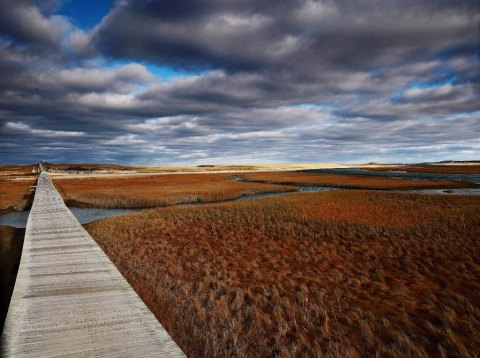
[[69, 298]]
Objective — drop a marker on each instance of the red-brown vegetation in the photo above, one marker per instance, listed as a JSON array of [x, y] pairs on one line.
[[347, 273], [88, 167], [159, 190], [349, 181], [18, 170], [15, 195]]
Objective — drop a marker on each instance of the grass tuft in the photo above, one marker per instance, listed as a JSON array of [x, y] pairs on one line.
[[160, 190], [350, 181], [342, 274]]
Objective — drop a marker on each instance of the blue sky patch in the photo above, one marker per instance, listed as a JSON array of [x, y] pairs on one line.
[[85, 14], [438, 83], [165, 73], [313, 105]]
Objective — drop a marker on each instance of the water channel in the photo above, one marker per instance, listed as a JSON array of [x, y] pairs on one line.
[[18, 219], [400, 174]]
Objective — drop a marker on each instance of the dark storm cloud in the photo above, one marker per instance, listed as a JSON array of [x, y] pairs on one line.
[[303, 34], [297, 80], [24, 21], [294, 50]]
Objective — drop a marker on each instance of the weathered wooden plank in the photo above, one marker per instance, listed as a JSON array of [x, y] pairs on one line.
[[69, 299]]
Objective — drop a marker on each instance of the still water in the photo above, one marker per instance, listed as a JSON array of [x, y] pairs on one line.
[[86, 215], [468, 178], [83, 215]]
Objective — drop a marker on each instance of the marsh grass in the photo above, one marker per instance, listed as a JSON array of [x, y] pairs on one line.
[[349, 181], [343, 274], [15, 195], [154, 191], [7, 170]]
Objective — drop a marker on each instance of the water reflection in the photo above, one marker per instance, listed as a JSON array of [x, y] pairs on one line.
[[83, 215]]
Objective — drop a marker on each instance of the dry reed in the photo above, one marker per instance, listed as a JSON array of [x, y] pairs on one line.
[[343, 274], [15, 195], [349, 181], [160, 190]]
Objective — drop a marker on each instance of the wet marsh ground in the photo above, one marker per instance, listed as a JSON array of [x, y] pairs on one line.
[[350, 181], [155, 191], [15, 195], [15, 183], [343, 273], [11, 244]]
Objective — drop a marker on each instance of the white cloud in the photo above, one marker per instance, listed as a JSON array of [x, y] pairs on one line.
[[106, 100], [25, 128], [431, 93], [103, 78], [126, 139]]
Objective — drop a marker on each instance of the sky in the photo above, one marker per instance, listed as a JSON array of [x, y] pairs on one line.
[[189, 82]]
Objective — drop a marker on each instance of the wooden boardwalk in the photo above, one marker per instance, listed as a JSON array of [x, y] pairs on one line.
[[69, 299]]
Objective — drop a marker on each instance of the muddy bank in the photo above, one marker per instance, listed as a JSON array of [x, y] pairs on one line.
[[11, 244], [28, 201]]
